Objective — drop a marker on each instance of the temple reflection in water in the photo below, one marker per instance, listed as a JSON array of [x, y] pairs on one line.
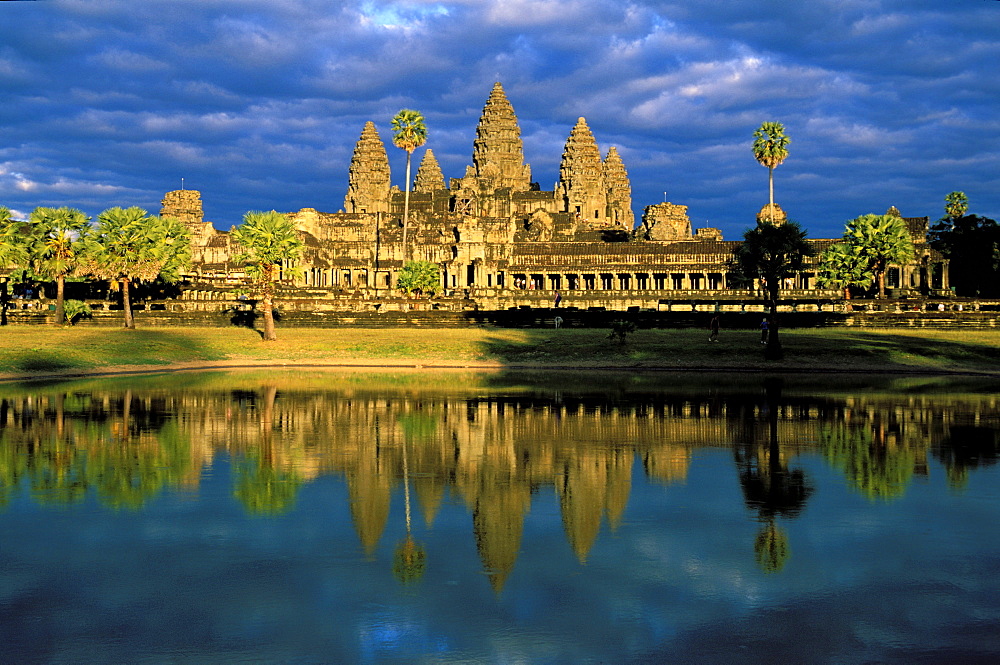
[[486, 442]]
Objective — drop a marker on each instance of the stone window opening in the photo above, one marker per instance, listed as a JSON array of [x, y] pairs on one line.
[[625, 281], [589, 282], [607, 281], [676, 281], [659, 281]]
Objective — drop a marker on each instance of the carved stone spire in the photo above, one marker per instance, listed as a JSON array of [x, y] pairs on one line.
[[619, 190], [497, 152], [368, 178], [429, 176], [581, 174]]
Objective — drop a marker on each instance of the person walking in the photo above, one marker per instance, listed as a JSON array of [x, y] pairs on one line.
[[764, 331], [714, 327]]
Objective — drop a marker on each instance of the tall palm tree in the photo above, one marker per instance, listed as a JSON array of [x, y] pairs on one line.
[[772, 254], [58, 242], [409, 133], [269, 243], [129, 245], [842, 266], [881, 240], [770, 148]]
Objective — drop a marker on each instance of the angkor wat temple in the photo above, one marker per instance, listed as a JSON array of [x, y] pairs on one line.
[[503, 242]]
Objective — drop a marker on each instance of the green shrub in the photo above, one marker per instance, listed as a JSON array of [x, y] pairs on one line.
[[76, 310]]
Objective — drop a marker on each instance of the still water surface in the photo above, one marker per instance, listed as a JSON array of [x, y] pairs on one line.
[[551, 518]]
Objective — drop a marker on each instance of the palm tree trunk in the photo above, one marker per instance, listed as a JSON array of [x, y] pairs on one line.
[[881, 284], [127, 305], [4, 298], [267, 302], [773, 350], [269, 334], [60, 300], [770, 187], [406, 204]]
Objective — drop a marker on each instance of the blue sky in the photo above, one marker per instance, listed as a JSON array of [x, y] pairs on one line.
[[258, 103]]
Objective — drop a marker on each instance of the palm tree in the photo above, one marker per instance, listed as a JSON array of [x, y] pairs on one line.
[[842, 266], [772, 254], [13, 253], [880, 240], [770, 148], [270, 243], [57, 247], [129, 245], [956, 204], [423, 276], [409, 133]]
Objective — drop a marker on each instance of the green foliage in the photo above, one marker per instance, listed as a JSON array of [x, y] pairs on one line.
[[130, 245], [975, 241], [880, 241], [409, 561], [409, 130], [620, 330], [771, 253], [771, 548], [13, 248], [422, 276], [418, 426], [76, 310], [270, 246], [58, 239], [770, 144], [57, 245], [876, 469], [263, 489], [956, 204], [841, 266]]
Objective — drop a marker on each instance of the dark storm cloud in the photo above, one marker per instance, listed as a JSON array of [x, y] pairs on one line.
[[258, 103]]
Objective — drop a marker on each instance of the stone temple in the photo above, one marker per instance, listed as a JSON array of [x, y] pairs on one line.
[[502, 242]]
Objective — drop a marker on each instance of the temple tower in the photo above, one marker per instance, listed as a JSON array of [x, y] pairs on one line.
[[619, 190], [368, 177], [429, 176], [184, 205], [777, 216], [581, 175], [497, 152]]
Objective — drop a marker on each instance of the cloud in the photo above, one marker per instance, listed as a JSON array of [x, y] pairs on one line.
[[260, 101]]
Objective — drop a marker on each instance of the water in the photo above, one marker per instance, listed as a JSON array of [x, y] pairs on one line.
[[552, 518]]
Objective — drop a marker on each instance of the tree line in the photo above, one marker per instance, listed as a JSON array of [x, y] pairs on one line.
[[126, 246]]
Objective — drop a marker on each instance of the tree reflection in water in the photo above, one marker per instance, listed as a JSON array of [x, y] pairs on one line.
[[493, 450], [769, 486]]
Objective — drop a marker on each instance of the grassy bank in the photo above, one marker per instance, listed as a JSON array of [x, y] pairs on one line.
[[37, 350]]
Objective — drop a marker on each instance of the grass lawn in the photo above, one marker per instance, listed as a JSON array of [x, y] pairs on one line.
[[38, 350]]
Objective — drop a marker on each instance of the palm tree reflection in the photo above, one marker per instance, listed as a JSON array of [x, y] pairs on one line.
[[770, 487]]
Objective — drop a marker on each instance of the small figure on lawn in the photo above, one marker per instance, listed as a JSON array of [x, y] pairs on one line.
[[714, 327]]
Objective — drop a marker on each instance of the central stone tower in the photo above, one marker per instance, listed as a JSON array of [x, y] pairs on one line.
[[497, 152]]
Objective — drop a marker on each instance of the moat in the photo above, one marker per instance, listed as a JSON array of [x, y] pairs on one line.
[[309, 516]]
